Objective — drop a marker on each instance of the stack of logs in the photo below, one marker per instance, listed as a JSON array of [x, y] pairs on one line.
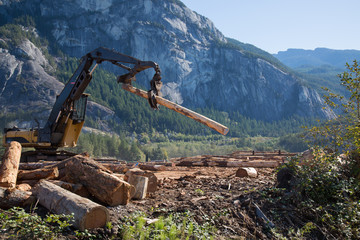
[[237, 159], [66, 187]]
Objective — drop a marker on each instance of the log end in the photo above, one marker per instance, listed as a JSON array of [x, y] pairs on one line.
[[97, 217]]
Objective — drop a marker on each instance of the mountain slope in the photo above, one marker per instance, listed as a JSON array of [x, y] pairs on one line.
[[201, 68], [320, 67], [296, 58]]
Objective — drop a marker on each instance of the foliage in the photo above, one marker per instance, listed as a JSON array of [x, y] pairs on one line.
[[174, 226], [252, 51], [342, 133], [325, 189], [323, 192], [293, 143], [17, 224], [15, 34]]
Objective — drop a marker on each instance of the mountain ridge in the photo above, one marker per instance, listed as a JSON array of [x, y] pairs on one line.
[[200, 68], [297, 57]]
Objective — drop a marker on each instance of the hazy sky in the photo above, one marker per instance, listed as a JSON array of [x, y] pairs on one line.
[[276, 25]]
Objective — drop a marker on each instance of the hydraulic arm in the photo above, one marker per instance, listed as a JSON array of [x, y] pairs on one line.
[[67, 116]]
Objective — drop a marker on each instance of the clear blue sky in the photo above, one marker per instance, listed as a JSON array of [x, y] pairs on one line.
[[276, 25]]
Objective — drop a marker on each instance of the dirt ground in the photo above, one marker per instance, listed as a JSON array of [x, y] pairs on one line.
[[210, 193]]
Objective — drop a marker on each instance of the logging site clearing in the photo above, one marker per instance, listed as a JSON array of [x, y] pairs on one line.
[[224, 193]]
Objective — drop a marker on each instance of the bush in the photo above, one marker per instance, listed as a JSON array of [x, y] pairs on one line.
[[322, 192]]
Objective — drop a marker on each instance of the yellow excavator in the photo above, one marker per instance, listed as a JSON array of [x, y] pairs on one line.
[[67, 116]]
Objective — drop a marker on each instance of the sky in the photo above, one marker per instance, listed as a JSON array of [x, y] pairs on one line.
[[277, 25]]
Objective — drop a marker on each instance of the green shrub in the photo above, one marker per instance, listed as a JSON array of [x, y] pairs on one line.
[[15, 223], [174, 226]]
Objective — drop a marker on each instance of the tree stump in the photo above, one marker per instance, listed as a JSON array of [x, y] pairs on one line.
[[87, 214]]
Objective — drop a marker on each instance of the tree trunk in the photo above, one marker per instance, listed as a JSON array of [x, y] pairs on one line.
[[87, 214], [15, 198], [10, 165], [37, 174], [100, 183]]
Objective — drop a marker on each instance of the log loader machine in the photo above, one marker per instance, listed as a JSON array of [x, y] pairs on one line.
[[67, 116]]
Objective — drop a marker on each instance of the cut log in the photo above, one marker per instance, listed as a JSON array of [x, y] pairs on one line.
[[15, 198], [76, 188], [177, 108], [37, 174], [152, 182], [24, 187], [101, 184], [10, 165], [87, 214], [140, 183], [120, 176], [116, 168], [246, 172], [35, 165], [152, 167], [257, 164]]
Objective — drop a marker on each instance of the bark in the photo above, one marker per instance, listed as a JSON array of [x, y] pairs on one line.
[[100, 183], [37, 174], [15, 198], [87, 214], [182, 110], [10, 165]]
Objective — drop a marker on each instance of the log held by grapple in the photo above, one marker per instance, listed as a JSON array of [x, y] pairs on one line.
[[182, 110]]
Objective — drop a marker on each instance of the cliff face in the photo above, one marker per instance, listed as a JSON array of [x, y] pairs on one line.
[[24, 84], [199, 68]]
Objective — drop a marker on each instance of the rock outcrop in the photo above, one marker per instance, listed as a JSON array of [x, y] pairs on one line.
[[200, 68]]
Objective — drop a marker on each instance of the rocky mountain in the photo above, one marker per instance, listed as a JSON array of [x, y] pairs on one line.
[[296, 58], [27, 86], [200, 67]]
